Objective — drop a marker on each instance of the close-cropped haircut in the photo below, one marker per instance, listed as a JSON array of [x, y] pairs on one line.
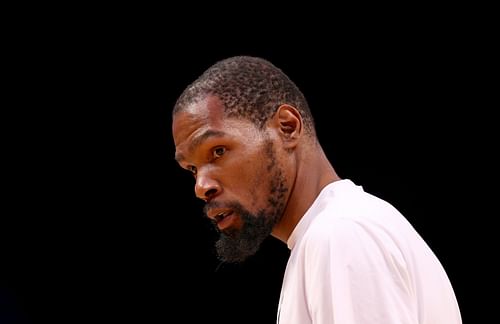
[[249, 87]]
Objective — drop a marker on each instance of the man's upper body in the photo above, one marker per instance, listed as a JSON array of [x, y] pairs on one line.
[[355, 259], [245, 132]]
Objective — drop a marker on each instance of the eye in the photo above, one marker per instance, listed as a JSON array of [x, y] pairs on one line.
[[218, 152], [191, 169]]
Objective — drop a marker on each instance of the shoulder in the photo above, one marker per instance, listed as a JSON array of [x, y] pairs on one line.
[[354, 228]]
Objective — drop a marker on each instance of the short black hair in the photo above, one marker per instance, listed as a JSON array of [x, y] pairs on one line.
[[249, 87]]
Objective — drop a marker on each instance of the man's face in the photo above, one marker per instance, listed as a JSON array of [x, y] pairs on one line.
[[237, 171]]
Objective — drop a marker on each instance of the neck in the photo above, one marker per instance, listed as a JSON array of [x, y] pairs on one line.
[[313, 173]]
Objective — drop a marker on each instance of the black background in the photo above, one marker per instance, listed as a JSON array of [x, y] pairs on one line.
[[101, 225]]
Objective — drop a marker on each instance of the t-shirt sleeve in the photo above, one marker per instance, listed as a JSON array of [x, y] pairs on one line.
[[356, 275]]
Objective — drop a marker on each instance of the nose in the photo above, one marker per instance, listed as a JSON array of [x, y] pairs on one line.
[[206, 187]]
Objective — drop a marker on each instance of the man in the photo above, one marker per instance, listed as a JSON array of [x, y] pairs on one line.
[[245, 132]]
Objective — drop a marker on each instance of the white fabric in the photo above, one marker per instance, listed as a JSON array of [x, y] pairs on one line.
[[355, 259]]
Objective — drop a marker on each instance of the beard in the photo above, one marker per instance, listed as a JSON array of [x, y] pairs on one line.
[[236, 245]]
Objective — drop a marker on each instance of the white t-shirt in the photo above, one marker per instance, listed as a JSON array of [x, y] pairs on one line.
[[356, 260]]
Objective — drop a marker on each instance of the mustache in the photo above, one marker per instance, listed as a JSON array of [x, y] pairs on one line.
[[234, 205]]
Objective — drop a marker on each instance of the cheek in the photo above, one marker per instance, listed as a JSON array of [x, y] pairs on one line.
[[250, 177], [261, 184]]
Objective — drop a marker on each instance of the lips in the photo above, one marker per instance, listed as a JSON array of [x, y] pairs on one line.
[[223, 218], [225, 221]]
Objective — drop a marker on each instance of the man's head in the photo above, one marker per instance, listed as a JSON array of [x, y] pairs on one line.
[[249, 87], [237, 129]]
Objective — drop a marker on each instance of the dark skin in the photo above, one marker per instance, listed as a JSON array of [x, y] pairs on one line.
[[231, 161]]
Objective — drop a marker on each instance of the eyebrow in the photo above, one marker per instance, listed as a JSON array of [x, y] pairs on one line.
[[198, 140]]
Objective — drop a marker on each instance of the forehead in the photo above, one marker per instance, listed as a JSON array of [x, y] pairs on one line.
[[204, 117], [210, 108], [208, 112]]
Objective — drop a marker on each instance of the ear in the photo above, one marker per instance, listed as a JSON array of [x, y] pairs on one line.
[[288, 122]]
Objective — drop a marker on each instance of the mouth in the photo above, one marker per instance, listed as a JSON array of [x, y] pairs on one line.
[[224, 219]]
